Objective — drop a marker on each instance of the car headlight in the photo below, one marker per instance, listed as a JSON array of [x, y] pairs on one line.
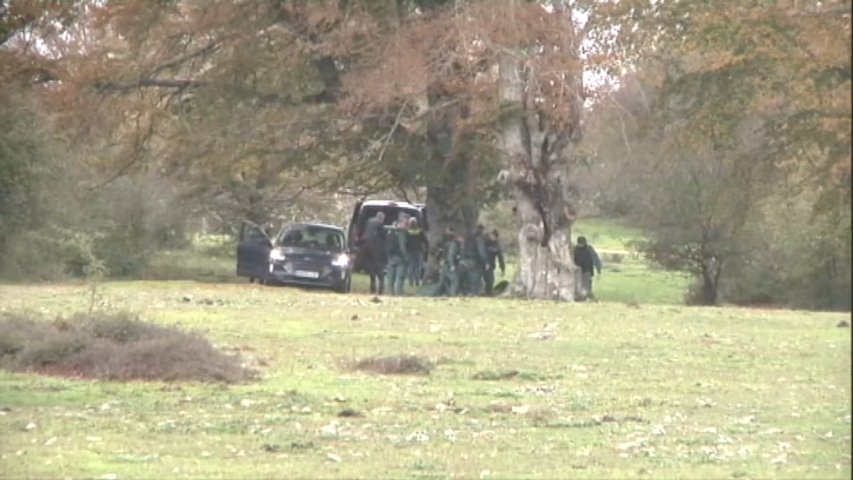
[[277, 255], [341, 260]]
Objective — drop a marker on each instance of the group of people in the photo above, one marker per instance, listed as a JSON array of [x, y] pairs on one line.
[[467, 264], [399, 250]]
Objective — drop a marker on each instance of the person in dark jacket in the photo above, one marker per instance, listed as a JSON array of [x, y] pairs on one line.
[[494, 253], [587, 260], [396, 243], [416, 250], [373, 247], [449, 258], [474, 261]]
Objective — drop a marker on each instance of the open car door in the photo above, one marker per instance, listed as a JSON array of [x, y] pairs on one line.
[[352, 232], [253, 252]]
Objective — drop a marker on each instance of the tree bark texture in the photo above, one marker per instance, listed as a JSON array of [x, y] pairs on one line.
[[537, 155]]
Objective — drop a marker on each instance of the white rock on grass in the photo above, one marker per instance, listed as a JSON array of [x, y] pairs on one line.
[[521, 409], [783, 458], [330, 431], [419, 437], [334, 458]]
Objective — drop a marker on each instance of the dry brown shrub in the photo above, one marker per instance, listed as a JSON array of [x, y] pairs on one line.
[[113, 347], [395, 365]]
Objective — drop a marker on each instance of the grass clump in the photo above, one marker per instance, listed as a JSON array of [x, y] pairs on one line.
[[490, 375], [116, 347], [395, 365]]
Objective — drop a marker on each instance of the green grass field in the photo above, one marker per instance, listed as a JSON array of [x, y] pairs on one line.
[[612, 391]]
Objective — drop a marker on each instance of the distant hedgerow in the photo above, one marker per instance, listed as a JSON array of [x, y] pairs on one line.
[[112, 347]]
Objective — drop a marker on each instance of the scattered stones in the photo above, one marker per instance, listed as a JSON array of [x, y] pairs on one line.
[[30, 426], [417, 437]]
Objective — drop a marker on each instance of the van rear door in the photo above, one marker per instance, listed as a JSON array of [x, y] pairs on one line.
[[353, 233]]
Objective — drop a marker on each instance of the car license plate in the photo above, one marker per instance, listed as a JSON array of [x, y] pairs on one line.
[[307, 274]]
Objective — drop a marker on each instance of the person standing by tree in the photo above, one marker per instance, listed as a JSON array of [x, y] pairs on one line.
[[449, 258], [587, 260], [475, 261], [397, 257], [374, 252], [493, 252], [416, 251]]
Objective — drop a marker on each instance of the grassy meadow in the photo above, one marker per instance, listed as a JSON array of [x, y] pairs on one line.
[[519, 389], [636, 386]]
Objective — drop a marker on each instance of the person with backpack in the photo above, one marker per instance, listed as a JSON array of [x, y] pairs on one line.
[[397, 264]]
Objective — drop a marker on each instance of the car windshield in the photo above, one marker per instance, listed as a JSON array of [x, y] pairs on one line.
[[308, 236]]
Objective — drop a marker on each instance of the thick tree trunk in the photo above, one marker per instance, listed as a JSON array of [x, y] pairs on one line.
[[450, 204], [538, 154]]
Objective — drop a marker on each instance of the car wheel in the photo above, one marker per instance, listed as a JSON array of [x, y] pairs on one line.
[[345, 286]]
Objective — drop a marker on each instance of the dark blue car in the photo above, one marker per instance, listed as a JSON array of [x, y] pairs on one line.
[[303, 254]]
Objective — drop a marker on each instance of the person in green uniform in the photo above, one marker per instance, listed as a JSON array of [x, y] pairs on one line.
[[397, 257]]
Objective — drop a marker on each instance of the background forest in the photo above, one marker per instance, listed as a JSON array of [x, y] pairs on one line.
[[720, 129]]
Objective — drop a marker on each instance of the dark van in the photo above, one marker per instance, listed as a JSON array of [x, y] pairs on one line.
[[368, 208]]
